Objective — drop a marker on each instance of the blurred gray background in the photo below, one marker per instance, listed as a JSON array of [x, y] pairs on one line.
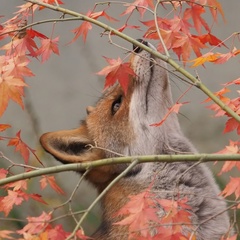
[[63, 86]]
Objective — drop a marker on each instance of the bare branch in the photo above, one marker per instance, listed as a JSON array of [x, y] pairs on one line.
[[118, 160]]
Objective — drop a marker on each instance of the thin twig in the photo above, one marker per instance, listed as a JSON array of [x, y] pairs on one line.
[[13, 164], [158, 30], [71, 196], [42, 22]]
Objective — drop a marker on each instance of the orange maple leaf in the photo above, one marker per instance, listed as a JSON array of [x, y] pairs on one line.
[[20, 146], [18, 185], [3, 127], [232, 148], [207, 57], [117, 71], [232, 187], [10, 88], [52, 182], [215, 7], [36, 224], [17, 67], [5, 234]]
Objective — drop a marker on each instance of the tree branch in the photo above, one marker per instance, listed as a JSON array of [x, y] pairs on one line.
[[119, 160], [167, 59]]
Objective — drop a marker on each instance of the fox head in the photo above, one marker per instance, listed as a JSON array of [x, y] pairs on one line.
[[120, 123]]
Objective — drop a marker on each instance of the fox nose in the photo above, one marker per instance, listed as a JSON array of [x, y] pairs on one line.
[[137, 49]]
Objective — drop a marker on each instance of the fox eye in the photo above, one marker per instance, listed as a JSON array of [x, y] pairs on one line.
[[116, 105]]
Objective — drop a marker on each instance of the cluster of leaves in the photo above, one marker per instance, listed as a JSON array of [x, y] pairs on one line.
[[143, 219], [39, 228], [15, 194], [14, 63], [182, 31]]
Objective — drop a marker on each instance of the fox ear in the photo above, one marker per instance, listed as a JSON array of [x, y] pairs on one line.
[[70, 146]]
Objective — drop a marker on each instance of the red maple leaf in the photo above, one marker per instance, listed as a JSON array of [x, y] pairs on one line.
[[140, 210], [121, 29], [82, 30], [57, 232], [117, 71], [224, 57], [194, 13], [3, 173], [20, 146], [211, 39], [175, 108], [36, 197], [231, 125], [7, 203], [48, 47], [51, 2], [96, 15], [235, 81], [52, 182], [140, 5], [33, 33], [86, 26]]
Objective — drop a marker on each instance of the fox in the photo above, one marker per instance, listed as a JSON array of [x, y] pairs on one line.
[[121, 123]]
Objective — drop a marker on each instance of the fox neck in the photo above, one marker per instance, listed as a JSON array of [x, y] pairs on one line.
[[150, 102]]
